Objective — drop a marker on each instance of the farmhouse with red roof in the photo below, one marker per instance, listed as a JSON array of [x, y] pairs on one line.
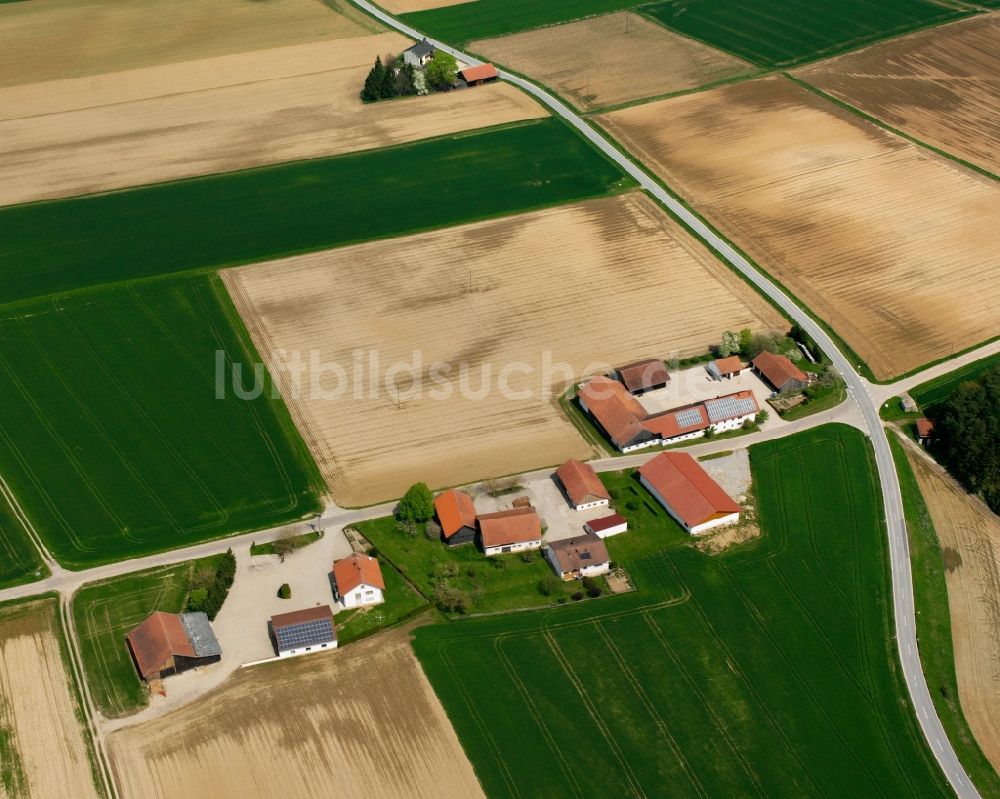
[[358, 581], [693, 498]]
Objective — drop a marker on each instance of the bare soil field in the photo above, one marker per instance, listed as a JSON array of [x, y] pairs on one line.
[[476, 312], [876, 235], [970, 538], [45, 40], [43, 752], [611, 59], [362, 721], [941, 86], [73, 137], [406, 6]]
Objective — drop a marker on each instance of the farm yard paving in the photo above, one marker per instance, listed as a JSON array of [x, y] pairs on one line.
[[606, 60], [778, 33], [46, 40], [510, 290], [112, 438], [362, 721], [269, 212], [690, 670], [45, 752], [969, 535], [940, 86], [220, 115], [878, 237]]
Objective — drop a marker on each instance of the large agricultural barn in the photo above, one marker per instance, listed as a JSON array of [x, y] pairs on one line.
[[512, 530], [629, 427], [457, 516], [169, 643], [693, 498], [302, 631]]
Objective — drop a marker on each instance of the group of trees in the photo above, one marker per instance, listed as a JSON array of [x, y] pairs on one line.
[[967, 436], [209, 590], [749, 345], [393, 77]]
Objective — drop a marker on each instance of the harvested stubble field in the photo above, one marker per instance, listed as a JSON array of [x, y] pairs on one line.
[[940, 86], [779, 33], [875, 235], [362, 721], [111, 435], [406, 6], [270, 212], [223, 114], [44, 751], [969, 536], [769, 670], [607, 60], [588, 285], [46, 40]]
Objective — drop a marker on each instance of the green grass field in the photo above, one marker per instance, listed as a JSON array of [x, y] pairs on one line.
[[19, 560], [110, 433], [766, 671], [492, 589], [486, 18], [940, 388], [210, 222], [777, 33], [104, 613]]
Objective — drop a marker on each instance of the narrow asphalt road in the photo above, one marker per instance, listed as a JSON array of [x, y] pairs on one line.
[[902, 584]]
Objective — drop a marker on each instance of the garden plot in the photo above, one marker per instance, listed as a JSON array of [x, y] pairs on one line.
[[878, 237], [588, 285]]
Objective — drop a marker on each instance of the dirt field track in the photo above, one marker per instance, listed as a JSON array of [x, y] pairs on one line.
[[967, 527], [941, 86], [73, 137], [587, 285], [43, 753], [876, 235], [360, 722], [607, 60], [44, 40]]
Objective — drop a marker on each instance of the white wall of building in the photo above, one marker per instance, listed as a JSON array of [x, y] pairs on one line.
[[364, 594], [593, 571], [732, 518], [599, 503], [519, 547], [618, 528], [288, 653]]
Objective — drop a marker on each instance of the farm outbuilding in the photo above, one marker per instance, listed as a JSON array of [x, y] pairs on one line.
[[925, 431], [642, 376], [514, 530], [171, 643], [583, 487], [456, 514], [779, 372], [617, 412], [576, 558], [607, 526], [484, 73], [358, 581], [687, 492], [302, 631], [725, 368]]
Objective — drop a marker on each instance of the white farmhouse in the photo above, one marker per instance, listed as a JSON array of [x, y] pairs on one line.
[[358, 581], [576, 558]]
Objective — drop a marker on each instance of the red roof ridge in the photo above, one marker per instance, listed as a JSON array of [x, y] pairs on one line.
[[355, 570]]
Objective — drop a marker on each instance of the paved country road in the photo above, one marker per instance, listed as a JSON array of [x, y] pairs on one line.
[[858, 389]]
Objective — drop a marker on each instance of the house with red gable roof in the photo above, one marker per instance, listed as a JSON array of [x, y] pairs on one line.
[[358, 581], [687, 492], [779, 372], [582, 485], [457, 516]]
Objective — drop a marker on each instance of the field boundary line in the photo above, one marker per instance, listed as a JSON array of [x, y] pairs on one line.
[[29, 528]]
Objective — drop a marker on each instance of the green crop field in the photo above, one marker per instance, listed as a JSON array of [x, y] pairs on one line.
[[940, 388], [767, 671], [19, 560], [104, 613], [487, 18], [57, 246], [777, 33], [111, 435]]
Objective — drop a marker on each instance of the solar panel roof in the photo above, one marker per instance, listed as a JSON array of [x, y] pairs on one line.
[[689, 417], [306, 633], [729, 408]]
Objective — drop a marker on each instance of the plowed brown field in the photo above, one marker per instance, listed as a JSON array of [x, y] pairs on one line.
[[44, 40], [611, 59], [941, 86], [72, 137], [965, 525], [43, 752], [588, 285], [362, 722], [895, 247]]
